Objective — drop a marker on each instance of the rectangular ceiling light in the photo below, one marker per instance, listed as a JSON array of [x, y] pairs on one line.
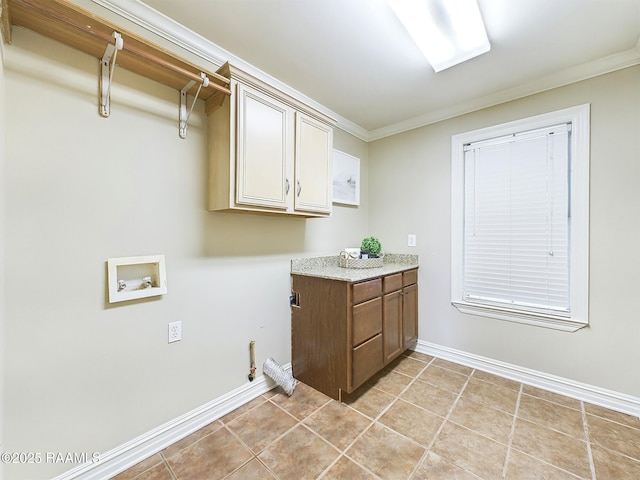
[[447, 32]]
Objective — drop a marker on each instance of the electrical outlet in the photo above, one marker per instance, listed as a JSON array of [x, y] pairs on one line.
[[411, 240], [175, 332]]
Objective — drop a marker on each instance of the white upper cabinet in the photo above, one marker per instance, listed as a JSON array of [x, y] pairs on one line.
[[314, 182], [264, 152], [268, 153]]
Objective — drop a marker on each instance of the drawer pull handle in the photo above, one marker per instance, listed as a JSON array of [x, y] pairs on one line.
[[294, 299]]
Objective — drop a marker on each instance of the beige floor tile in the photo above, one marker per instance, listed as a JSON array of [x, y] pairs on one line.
[[386, 453], [552, 415], [443, 378], [252, 470], [213, 457], [261, 426], [470, 451], [390, 381], [299, 454], [419, 356], [304, 401], [407, 365], [411, 421], [337, 423], [138, 468], [628, 420], [614, 436], [552, 397], [496, 380], [370, 401], [345, 469], [434, 467], [231, 416], [495, 396], [483, 419], [189, 439], [159, 472], [428, 396], [456, 367], [613, 466], [558, 449], [525, 467]]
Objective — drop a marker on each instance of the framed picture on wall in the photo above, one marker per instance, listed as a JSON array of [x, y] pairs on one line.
[[346, 178]]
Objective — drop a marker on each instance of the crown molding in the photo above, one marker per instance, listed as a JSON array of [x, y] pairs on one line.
[[171, 31], [564, 77]]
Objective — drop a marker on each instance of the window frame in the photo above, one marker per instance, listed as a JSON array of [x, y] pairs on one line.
[[579, 117]]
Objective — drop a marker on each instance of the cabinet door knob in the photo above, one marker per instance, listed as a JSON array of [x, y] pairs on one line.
[[299, 188], [287, 187]]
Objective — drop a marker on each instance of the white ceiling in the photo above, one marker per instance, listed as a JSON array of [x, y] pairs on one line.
[[353, 56]]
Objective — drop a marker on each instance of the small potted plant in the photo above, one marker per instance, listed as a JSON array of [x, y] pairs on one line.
[[370, 247]]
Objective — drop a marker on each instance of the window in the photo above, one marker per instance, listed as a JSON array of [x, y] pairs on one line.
[[520, 226]]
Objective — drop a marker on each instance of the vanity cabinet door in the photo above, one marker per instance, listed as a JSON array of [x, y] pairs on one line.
[[392, 325], [410, 308]]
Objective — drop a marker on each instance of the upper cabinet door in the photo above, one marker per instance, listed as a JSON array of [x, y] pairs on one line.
[[264, 127], [314, 182]]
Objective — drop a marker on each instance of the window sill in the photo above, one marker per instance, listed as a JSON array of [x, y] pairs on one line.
[[546, 321]]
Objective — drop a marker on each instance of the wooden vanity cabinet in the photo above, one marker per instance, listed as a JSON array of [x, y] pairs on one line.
[[343, 332]]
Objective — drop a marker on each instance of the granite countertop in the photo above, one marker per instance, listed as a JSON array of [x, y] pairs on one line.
[[329, 267]]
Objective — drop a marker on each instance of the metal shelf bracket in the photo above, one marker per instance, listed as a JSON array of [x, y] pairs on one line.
[[184, 115], [107, 67]]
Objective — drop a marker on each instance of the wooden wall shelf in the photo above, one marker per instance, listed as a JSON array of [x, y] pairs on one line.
[[69, 24]]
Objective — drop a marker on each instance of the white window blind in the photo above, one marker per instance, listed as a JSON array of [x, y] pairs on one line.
[[517, 221]]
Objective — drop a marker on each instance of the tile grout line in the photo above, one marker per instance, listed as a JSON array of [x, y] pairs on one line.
[[512, 432], [444, 422], [585, 424], [374, 420], [255, 455], [299, 422], [166, 464]]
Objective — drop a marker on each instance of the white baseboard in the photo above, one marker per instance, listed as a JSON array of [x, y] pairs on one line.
[[619, 402], [129, 454]]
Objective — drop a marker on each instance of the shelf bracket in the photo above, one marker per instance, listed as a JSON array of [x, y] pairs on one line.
[[107, 67], [184, 114]]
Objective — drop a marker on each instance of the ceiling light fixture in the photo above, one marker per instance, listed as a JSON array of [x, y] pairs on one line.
[[447, 32]]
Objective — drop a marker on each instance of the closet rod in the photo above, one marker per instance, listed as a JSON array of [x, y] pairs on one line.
[[108, 38], [190, 75]]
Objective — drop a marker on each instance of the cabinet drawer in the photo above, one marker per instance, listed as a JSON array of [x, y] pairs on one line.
[[367, 290], [392, 283], [410, 277], [367, 360], [367, 320]]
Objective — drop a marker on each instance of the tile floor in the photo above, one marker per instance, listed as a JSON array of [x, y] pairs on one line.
[[421, 418]]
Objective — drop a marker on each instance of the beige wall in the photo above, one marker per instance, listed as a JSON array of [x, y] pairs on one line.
[[2, 301], [410, 185], [83, 375]]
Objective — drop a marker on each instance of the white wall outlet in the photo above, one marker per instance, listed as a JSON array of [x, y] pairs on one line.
[[411, 240], [175, 332]]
